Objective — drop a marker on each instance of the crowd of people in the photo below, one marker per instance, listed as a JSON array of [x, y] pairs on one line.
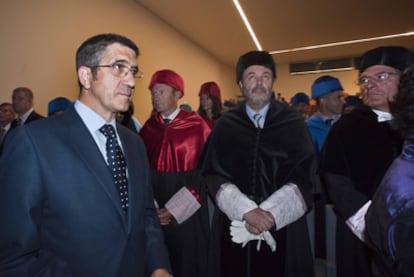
[[228, 189]]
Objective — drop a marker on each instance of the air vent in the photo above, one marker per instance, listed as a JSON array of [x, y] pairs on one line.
[[321, 66], [303, 67]]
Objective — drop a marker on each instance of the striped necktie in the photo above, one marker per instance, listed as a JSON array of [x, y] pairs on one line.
[[256, 118]]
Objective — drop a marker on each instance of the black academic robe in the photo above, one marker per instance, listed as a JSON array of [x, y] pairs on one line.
[[259, 162], [355, 156], [173, 152]]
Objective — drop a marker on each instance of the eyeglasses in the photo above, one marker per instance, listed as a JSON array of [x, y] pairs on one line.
[[378, 78], [121, 69]]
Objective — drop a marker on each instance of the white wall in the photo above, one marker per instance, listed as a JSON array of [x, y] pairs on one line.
[[40, 39]]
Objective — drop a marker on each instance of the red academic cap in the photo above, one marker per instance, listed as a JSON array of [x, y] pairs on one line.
[[168, 77], [211, 89]]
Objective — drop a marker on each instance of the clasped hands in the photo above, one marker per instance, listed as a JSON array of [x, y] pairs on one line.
[[255, 226]]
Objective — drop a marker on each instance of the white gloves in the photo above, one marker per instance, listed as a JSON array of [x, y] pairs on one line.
[[269, 240], [240, 234]]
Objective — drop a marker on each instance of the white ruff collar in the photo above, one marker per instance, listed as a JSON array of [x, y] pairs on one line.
[[382, 116]]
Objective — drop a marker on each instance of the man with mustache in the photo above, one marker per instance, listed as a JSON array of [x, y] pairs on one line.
[[357, 152], [259, 163]]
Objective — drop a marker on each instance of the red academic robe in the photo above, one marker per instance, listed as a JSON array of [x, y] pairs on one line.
[[175, 147], [173, 152], [210, 122]]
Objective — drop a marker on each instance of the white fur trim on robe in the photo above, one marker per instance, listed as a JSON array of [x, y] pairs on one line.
[[286, 205], [233, 202]]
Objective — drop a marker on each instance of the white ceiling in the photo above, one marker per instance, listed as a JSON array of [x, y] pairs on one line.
[[216, 26]]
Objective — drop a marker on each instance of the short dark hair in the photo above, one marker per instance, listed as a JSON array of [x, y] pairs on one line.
[[27, 92], [91, 52], [402, 108], [6, 104]]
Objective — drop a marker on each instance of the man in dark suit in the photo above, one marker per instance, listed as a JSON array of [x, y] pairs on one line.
[[22, 101], [63, 215], [7, 115]]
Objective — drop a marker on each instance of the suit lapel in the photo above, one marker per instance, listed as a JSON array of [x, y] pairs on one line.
[[84, 145], [129, 149]]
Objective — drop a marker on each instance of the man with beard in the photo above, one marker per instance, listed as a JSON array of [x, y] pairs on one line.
[[258, 163], [357, 152], [174, 139]]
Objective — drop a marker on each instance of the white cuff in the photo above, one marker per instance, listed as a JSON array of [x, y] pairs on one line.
[[233, 202], [156, 204], [182, 205], [357, 222], [286, 205]]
